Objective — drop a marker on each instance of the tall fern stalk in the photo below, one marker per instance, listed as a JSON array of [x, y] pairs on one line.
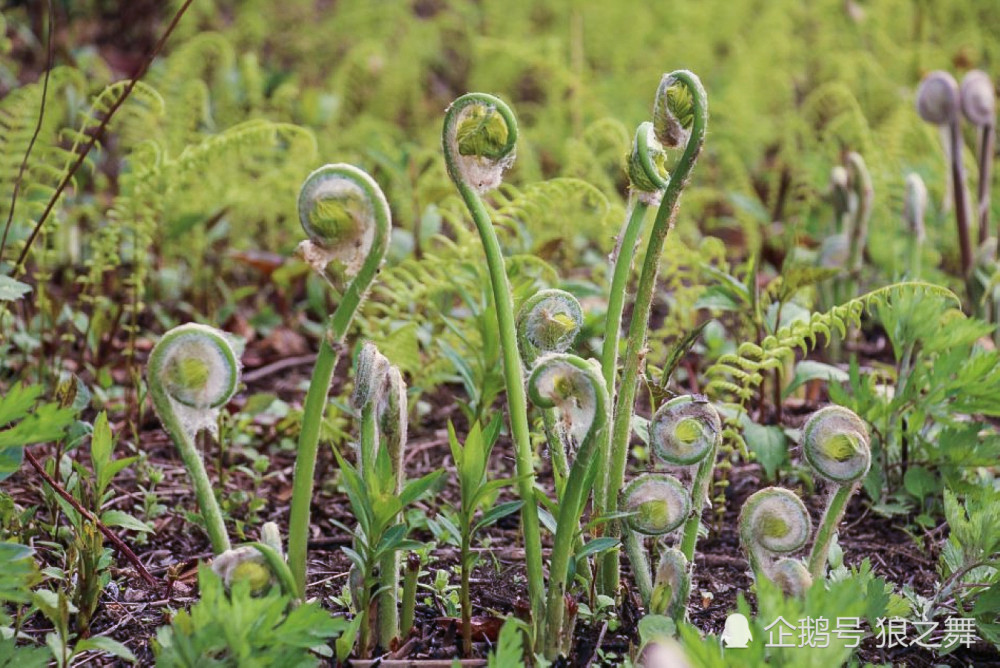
[[676, 84], [479, 140], [567, 382], [341, 208]]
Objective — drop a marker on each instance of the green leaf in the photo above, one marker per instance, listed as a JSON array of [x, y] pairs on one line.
[[596, 546], [509, 652], [12, 290], [417, 488], [920, 482], [497, 513], [808, 370], [656, 627], [117, 518], [988, 603], [769, 445], [105, 644]]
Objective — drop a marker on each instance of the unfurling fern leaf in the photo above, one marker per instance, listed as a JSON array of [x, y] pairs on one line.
[[735, 377]]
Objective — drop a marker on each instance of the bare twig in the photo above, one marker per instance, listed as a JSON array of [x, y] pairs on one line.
[[34, 136], [119, 544], [96, 135]]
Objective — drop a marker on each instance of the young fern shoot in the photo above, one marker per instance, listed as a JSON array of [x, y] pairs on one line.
[[347, 219], [774, 521], [680, 118], [685, 431], [380, 397], [192, 372], [657, 504], [914, 209], [978, 100], [549, 322], [576, 389], [479, 140], [938, 103], [835, 443]]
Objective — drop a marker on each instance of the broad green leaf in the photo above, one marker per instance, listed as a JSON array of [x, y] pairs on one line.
[[768, 444], [117, 518], [105, 644], [497, 513], [11, 290], [808, 370]]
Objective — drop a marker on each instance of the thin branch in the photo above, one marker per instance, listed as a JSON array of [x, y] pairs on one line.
[[119, 544], [100, 130], [38, 129]]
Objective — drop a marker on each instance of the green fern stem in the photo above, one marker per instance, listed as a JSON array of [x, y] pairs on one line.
[[513, 373], [641, 574], [699, 494], [624, 254], [827, 527], [560, 380], [326, 361], [638, 327]]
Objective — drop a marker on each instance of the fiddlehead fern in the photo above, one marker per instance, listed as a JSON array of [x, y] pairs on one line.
[[657, 504], [479, 139], [347, 219], [380, 397], [574, 387], [647, 171], [774, 521], [978, 100], [914, 208], [835, 443], [192, 372], [647, 179], [938, 103], [672, 584], [680, 116], [549, 322], [861, 196], [687, 431]]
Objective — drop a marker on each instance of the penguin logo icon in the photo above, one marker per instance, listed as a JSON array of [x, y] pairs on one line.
[[736, 633]]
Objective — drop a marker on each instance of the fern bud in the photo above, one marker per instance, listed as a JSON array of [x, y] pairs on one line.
[[566, 382], [978, 98], [197, 367], [480, 140], [270, 535], [862, 197], [369, 377], [345, 215], [673, 112], [647, 169], [670, 589], [548, 322], [244, 564], [685, 430], [193, 371], [840, 194], [915, 206], [773, 521], [835, 443], [658, 502], [792, 577], [938, 98]]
